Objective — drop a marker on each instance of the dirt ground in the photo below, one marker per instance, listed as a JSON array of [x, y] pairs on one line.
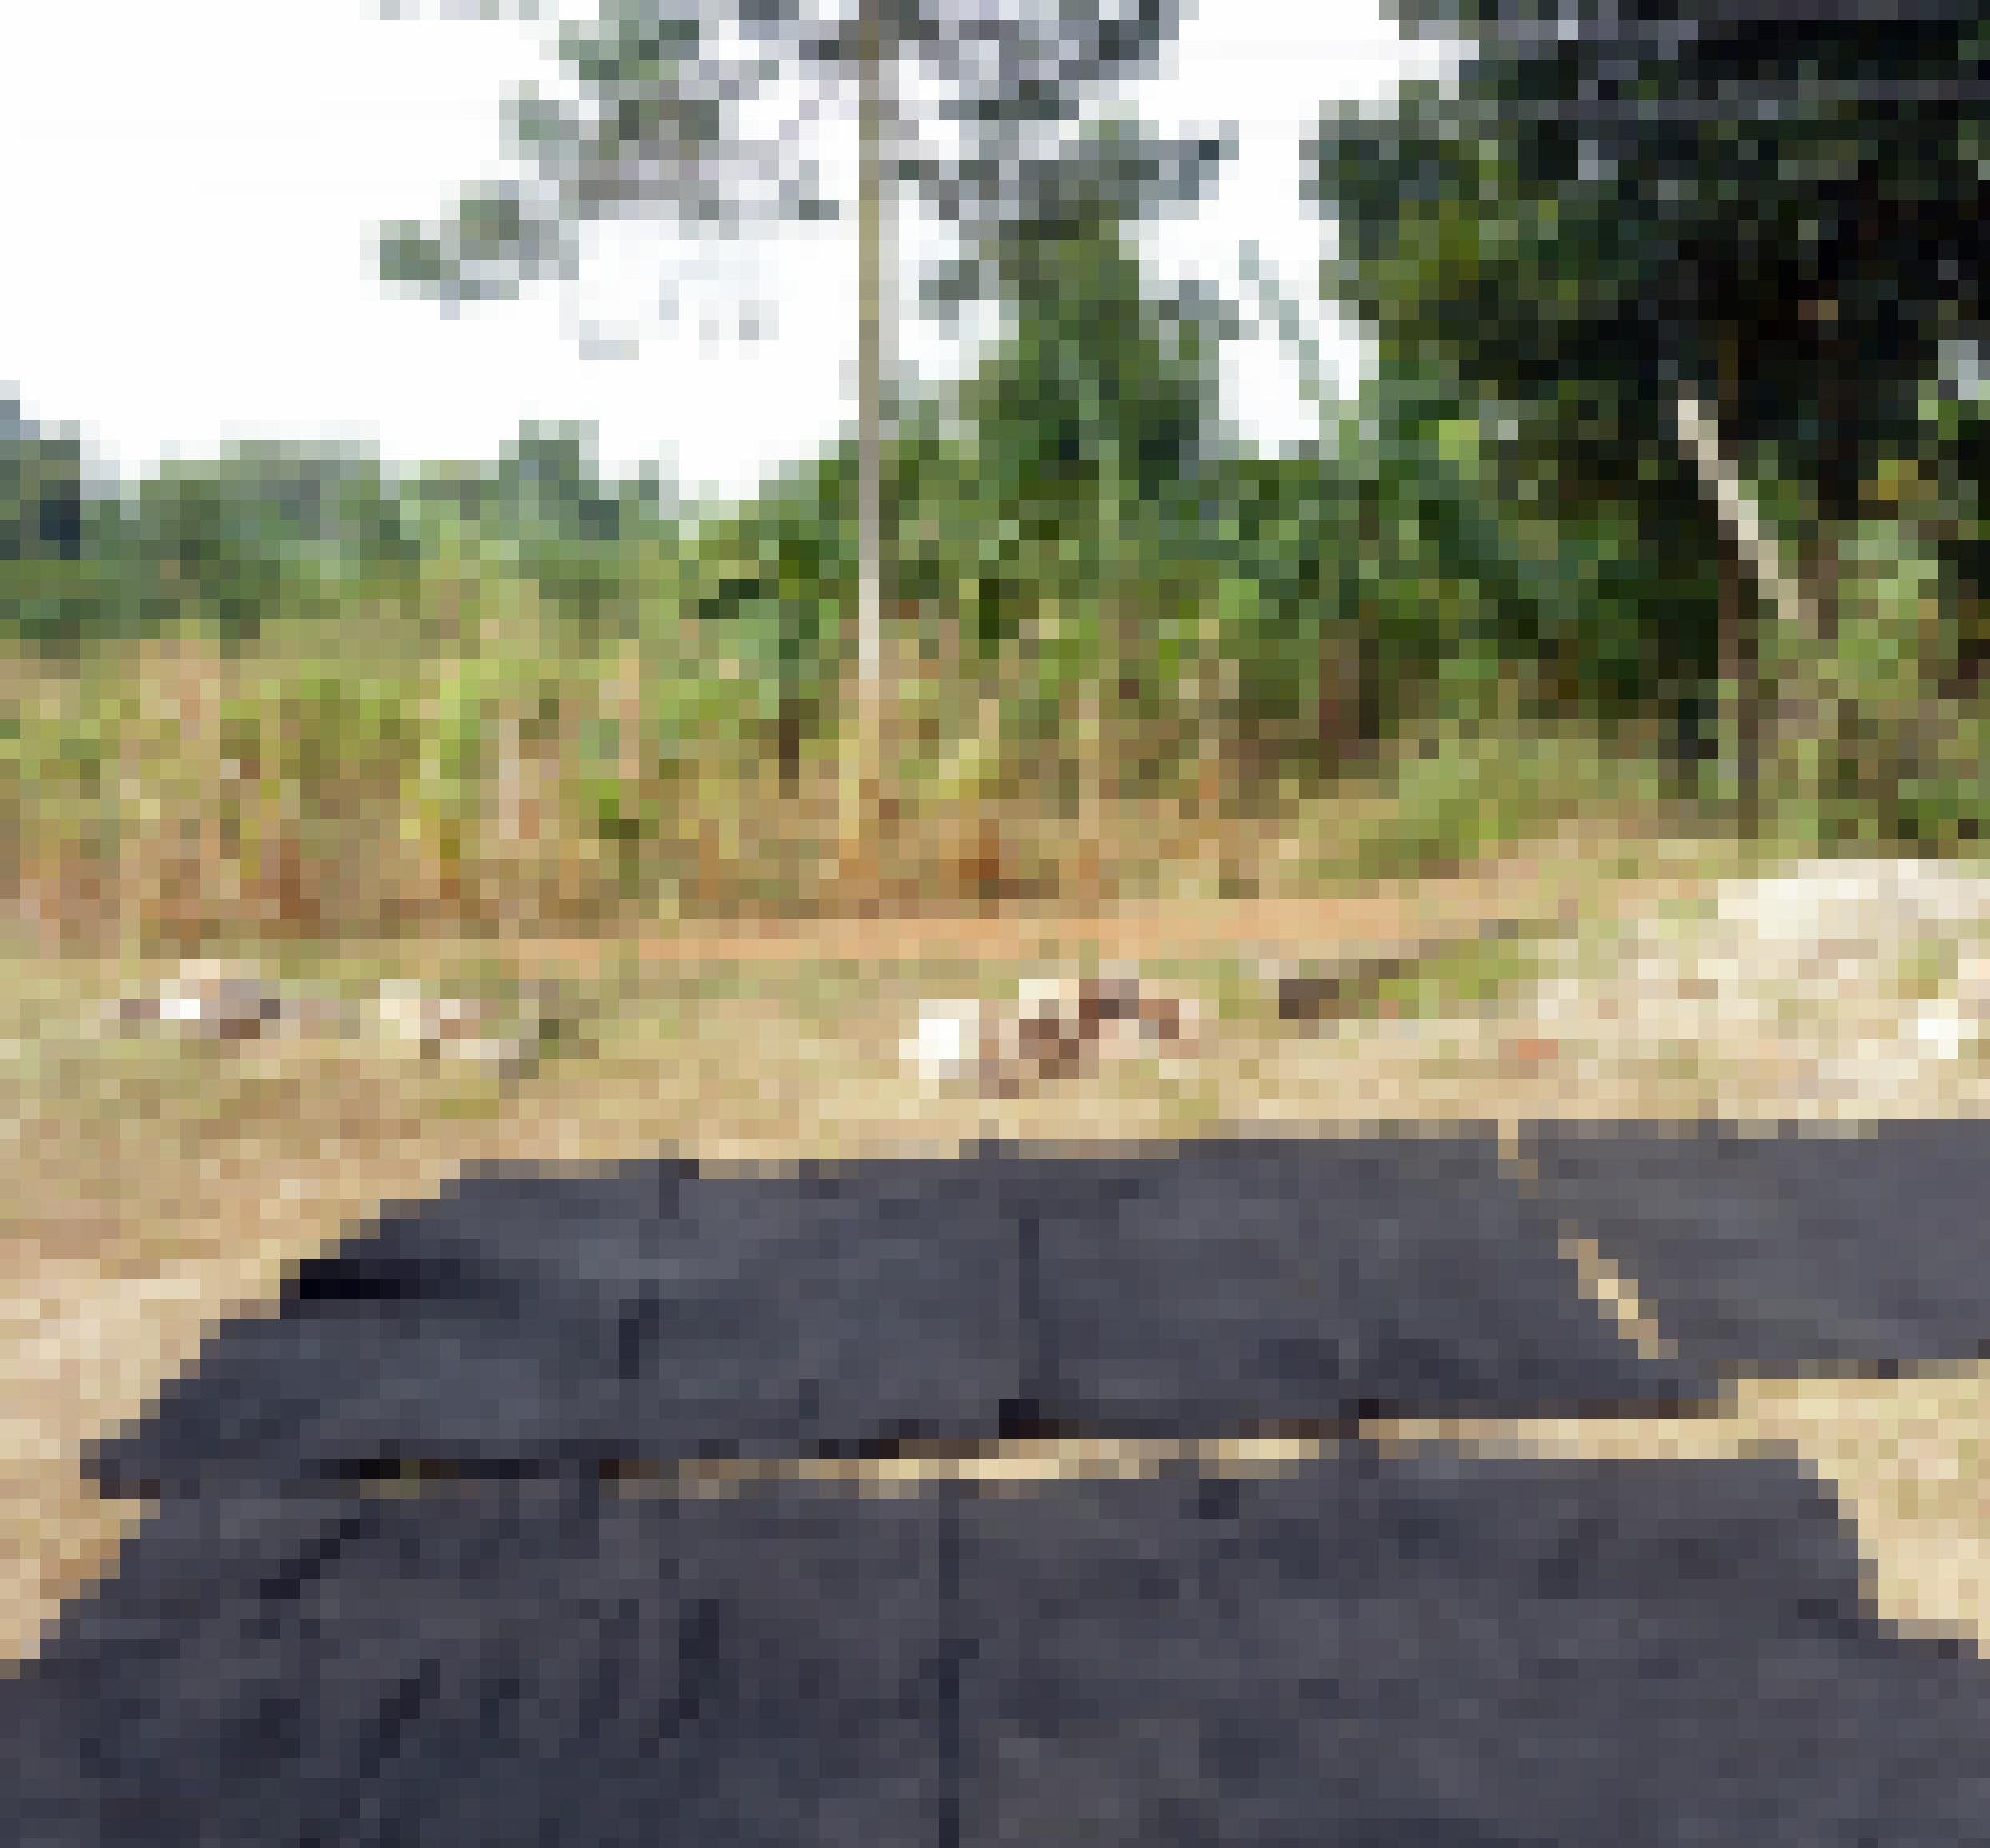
[[159, 1187]]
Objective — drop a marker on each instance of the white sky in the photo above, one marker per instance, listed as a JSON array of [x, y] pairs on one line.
[[191, 193]]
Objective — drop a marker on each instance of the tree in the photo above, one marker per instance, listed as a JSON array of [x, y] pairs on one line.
[[567, 525], [265, 529], [651, 131], [1003, 486], [1737, 237], [56, 586], [1094, 420], [1099, 379], [41, 490]]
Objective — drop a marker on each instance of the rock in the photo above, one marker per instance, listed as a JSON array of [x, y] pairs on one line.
[[463, 1031], [1853, 902], [1059, 1028], [1307, 997], [207, 999], [947, 1040], [233, 1002]]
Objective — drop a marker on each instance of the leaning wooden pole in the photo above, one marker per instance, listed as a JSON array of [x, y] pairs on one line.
[[1778, 584], [1778, 587]]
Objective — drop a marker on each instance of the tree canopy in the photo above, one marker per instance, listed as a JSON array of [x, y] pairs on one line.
[[1772, 209], [651, 133], [1778, 207]]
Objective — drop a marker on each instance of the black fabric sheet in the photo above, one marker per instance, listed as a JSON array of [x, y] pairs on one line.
[[530, 1321], [534, 1322], [1784, 1251], [1243, 1281], [1367, 1650], [1446, 1650], [524, 1662]]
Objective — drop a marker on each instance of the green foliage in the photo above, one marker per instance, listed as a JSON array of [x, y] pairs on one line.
[[41, 490], [1754, 207], [1900, 759], [1597, 218], [55, 603], [1562, 491], [1100, 389]]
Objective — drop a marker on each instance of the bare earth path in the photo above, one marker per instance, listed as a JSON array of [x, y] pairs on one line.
[[1538, 883], [157, 1191]]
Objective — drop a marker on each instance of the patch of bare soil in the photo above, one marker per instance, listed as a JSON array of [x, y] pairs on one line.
[[1574, 870]]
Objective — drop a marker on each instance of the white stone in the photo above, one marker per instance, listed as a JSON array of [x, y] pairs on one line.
[[948, 1039]]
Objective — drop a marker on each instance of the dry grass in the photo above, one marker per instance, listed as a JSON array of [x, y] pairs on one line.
[[159, 796]]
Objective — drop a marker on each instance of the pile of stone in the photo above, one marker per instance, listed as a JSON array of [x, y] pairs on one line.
[[1804, 981]]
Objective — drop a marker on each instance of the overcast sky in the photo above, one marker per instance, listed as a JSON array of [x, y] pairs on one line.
[[191, 191]]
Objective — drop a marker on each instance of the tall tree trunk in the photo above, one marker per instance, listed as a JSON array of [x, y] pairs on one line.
[[863, 739]]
